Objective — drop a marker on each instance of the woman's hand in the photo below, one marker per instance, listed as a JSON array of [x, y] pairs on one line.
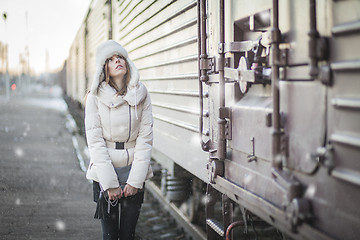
[[115, 193], [129, 190]]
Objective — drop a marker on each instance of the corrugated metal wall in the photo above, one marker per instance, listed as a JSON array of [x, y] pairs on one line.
[[97, 32], [344, 116], [161, 39], [76, 67], [80, 65]]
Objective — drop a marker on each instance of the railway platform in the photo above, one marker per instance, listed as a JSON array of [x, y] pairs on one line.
[[44, 192]]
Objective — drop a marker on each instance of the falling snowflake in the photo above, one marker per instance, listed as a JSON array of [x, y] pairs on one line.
[[60, 225], [247, 179], [17, 201], [19, 152], [53, 182], [205, 200], [310, 191]]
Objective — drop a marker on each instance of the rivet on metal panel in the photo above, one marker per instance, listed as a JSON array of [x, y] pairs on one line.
[[221, 48], [284, 53], [228, 130], [227, 62]]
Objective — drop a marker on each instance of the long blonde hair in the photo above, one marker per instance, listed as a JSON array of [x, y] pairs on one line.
[[109, 80]]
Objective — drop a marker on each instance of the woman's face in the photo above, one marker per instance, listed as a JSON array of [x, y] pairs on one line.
[[116, 66]]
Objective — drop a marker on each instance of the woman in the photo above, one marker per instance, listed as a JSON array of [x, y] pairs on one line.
[[118, 123]]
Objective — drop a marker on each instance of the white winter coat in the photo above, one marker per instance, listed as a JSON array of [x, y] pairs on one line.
[[118, 119]]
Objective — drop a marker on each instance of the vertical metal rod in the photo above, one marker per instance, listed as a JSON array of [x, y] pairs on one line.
[[199, 71], [203, 56], [202, 75], [276, 133], [227, 206], [313, 36], [110, 20], [7, 80], [221, 151]]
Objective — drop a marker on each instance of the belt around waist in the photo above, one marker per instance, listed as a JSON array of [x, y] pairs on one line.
[[120, 145]]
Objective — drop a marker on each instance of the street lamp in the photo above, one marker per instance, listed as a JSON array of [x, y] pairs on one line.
[[7, 83]]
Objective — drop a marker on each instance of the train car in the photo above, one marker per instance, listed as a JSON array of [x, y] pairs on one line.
[[258, 101]]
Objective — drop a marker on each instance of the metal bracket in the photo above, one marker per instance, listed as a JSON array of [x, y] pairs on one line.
[[208, 64], [284, 56], [291, 187], [226, 113], [240, 75], [228, 130], [215, 168], [325, 75], [243, 46], [252, 157], [268, 120], [324, 155], [322, 50]]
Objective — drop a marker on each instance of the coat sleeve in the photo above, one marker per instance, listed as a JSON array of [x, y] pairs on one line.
[[99, 156], [143, 147]]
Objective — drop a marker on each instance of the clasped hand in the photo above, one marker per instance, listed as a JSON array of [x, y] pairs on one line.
[[117, 193]]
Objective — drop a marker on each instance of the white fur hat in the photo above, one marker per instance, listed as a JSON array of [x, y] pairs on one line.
[[105, 51]]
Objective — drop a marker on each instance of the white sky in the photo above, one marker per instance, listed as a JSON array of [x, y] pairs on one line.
[[52, 26]]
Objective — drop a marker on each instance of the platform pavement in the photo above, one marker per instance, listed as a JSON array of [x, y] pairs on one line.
[[43, 192]]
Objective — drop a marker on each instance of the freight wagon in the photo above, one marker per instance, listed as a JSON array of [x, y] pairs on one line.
[[256, 109]]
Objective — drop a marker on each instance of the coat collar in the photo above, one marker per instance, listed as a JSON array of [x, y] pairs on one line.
[[134, 96]]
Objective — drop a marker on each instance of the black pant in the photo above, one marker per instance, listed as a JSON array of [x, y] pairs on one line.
[[120, 224]]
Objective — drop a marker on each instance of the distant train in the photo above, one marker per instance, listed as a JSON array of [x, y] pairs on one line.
[[258, 102]]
